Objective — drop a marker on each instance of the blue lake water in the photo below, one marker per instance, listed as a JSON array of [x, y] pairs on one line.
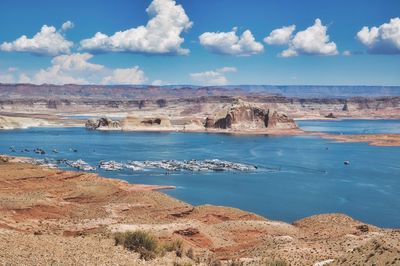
[[351, 126], [308, 175]]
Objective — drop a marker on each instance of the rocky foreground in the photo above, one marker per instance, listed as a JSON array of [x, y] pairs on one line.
[[49, 216]]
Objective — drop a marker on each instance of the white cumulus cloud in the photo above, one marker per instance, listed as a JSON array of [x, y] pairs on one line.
[[280, 36], [213, 77], [312, 41], [384, 39], [67, 69], [76, 69], [67, 25], [161, 34], [75, 62], [48, 41], [157, 82], [346, 53], [132, 75], [230, 43]]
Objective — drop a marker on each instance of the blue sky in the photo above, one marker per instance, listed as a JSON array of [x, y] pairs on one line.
[[345, 58]]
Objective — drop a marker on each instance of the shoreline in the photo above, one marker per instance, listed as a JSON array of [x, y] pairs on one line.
[[79, 211], [381, 139], [120, 182], [133, 187]]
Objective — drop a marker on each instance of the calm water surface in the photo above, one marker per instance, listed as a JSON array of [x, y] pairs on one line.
[[352, 126], [300, 175]]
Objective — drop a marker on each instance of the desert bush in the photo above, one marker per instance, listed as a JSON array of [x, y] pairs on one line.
[[161, 103], [138, 241], [236, 263], [190, 253], [212, 261], [276, 263], [184, 264], [175, 245]]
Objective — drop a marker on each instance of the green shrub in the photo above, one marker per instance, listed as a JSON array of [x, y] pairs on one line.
[[138, 241]]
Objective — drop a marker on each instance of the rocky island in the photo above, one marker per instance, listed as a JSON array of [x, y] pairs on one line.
[[239, 117], [244, 117]]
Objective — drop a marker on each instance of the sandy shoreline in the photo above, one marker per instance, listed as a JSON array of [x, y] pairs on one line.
[[388, 140]]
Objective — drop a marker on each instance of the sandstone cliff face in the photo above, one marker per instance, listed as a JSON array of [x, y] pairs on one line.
[[247, 117], [9, 122], [194, 107], [102, 124], [193, 125]]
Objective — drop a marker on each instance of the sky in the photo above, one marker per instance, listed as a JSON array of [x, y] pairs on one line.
[[207, 42]]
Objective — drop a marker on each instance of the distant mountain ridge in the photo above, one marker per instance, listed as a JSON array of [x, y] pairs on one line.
[[123, 92]]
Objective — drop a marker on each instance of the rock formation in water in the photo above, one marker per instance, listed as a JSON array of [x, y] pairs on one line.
[[102, 124], [242, 116]]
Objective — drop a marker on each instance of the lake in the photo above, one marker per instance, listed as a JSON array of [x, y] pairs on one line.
[[351, 126], [298, 176]]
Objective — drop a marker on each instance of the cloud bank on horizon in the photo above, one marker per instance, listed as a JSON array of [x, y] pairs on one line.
[[76, 69], [213, 77], [163, 34]]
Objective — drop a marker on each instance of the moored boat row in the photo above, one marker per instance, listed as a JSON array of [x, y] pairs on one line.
[[168, 165]]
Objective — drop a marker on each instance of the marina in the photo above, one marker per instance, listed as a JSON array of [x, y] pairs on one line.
[[168, 165]]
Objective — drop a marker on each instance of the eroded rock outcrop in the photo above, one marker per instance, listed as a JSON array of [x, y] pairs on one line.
[[243, 116], [133, 122], [103, 123], [13, 122]]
